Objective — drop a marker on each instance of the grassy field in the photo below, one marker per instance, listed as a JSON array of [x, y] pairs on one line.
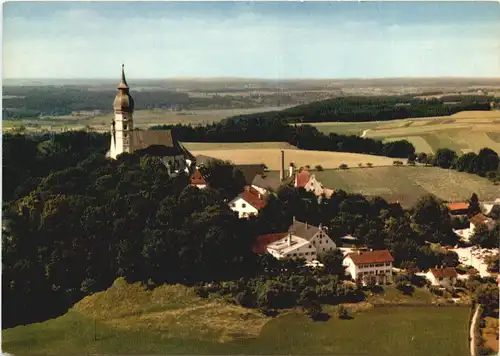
[[406, 184], [215, 146], [172, 320], [466, 131], [271, 157], [142, 119]]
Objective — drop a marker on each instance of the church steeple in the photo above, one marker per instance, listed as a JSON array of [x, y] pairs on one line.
[[122, 126], [123, 101], [123, 83]]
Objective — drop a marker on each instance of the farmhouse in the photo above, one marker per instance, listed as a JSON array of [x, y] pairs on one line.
[[443, 277], [480, 219], [125, 139], [248, 203], [458, 208], [304, 179], [373, 263], [302, 241]]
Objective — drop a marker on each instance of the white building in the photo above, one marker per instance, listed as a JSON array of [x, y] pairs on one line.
[[373, 263], [303, 241], [126, 139], [487, 207], [443, 277], [248, 203]]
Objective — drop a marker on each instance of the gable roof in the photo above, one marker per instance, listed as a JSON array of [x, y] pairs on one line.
[[197, 178], [267, 181], [303, 230], [252, 198], [302, 178], [250, 171], [159, 142], [264, 240], [479, 219], [458, 206], [444, 272], [371, 257]]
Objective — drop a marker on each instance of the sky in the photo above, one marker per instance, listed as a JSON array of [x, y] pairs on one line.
[[275, 40]]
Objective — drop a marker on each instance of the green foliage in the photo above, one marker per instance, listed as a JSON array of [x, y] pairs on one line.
[[493, 263], [319, 168], [486, 237], [444, 158], [343, 166], [474, 207]]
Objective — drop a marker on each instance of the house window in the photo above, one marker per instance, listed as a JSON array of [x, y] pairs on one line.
[[125, 126], [313, 253], [310, 246], [306, 253], [243, 205], [440, 278], [233, 205], [294, 254], [125, 135]]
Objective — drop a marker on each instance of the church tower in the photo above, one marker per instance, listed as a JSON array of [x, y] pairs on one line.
[[122, 125]]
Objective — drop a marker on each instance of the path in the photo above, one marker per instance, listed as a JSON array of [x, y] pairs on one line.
[[475, 320]]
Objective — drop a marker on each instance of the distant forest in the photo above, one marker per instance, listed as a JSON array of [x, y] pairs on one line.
[[34, 101], [381, 108]]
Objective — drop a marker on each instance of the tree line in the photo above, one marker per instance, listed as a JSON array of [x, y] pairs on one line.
[[376, 108], [486, 163]]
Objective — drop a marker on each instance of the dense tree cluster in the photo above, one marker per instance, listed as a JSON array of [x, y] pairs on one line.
[[383, 108], [486, 163]]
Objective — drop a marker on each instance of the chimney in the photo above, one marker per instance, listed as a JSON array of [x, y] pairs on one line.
[[294, 220], [290, 170], [282, 166], [359, 252], [320, 226], [289, 240], [307, 226]]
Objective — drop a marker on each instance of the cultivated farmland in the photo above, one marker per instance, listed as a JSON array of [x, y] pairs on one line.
[[464, 131], [272, 159], [407, 184]]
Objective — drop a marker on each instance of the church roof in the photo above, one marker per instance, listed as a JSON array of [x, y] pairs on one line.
[[158, 143]]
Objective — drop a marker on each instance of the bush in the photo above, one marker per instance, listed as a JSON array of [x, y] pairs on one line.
[[405, 287], [319, 168], [342, 312], [370, 165], [343, 166], [312, 308], [397, 163], [360, 165]]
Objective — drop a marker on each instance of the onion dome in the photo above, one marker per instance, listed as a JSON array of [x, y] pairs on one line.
[[123, 101]]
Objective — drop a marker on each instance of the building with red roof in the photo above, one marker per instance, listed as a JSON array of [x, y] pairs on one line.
[[264, 240], [478, 220], [248, 203], [372, 264], [458, 208], [197, 179], [442, 277]]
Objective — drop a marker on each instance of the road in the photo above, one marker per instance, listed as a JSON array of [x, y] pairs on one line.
[[473, 256]]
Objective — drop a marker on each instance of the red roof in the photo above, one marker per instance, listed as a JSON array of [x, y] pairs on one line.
[[302, 178], [458, 206], [252, 198], [264, 240], [197, 178], [371, 257], [444, 272], [479, 219]]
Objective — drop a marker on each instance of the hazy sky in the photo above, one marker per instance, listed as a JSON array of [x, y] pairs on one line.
[[239, 39]]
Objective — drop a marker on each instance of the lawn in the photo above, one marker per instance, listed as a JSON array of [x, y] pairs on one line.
[[197, 146], [406, 184], [464, 131], [126, 319], [271, 157], [385, 331]]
